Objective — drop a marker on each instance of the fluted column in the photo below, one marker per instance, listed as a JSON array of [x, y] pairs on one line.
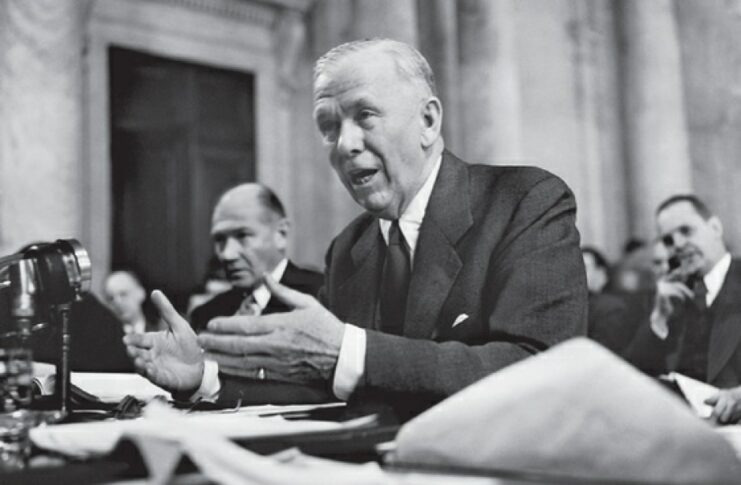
[[439, 44], [395, 19], [490, 87], [41, 45], [657, 146]]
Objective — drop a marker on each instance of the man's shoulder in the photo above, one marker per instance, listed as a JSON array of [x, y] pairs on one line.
[[220, 305], [303, 279]]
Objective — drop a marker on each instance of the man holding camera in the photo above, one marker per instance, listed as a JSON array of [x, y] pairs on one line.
[[695, 323]]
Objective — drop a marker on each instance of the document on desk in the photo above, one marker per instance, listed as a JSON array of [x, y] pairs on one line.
[[112, 386], [99, 438], [695, 392]]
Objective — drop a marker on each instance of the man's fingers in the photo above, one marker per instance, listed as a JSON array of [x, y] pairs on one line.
[[240, 324], [712, 400], [137, 353], [168, 313], [289, 296], [141, 340], [231, 344]]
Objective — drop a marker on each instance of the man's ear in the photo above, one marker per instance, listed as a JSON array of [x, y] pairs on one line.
[[432, 119], [716, 225], [282, 231]]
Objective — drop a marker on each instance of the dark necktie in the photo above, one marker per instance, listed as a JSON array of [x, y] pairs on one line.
[[700, 294], [395, 282]]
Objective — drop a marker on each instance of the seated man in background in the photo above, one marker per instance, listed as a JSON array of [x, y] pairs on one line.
[[608, 315], [250, 232], [695, 323], [454, 272], [126, 297]]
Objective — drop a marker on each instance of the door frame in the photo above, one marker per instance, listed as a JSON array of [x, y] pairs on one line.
[[230, 34]]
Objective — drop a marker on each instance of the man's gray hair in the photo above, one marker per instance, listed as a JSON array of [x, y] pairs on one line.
[[410, 63]]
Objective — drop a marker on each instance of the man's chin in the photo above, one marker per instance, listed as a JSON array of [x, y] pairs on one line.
[[378, 205]]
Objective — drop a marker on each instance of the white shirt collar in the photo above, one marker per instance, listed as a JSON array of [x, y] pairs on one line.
[[411, 219], [261, 294], [715, 278]]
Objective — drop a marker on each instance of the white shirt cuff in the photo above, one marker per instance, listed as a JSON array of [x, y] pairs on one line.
[[350, 362], [659, 326], [210, 384]]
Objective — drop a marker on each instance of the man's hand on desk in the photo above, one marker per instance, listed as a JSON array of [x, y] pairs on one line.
[[171, 359], [300, 346], [726, 405]]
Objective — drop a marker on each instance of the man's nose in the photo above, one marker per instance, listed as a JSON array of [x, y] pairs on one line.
[[679, 240], [349, 139]]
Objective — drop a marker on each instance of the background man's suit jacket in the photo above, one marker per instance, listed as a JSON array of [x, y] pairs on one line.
[[227, 303], [498, 245], [250, 391], [656, 356]]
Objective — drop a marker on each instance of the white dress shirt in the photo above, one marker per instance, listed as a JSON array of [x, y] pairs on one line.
[[210, 384], [351, 361], [713, 282]]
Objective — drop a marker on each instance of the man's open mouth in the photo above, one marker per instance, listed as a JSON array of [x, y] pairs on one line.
[[363, 176]]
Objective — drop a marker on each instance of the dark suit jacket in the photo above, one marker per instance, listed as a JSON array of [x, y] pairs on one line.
[[610, 322], [250, 391], [498, 244], [656, 356]]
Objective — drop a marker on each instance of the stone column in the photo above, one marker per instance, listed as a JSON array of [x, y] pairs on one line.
[[395, 19], [655, 124], [489, 79], [41, 109], [439, 44]]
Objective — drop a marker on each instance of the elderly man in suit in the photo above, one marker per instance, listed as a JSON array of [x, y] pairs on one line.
[[695, 323], [454, 272]]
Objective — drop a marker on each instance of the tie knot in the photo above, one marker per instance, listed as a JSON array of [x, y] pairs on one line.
[[395, 236], [700, 292], [249, 307]]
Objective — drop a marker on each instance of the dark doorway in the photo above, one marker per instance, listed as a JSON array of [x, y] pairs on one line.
[[181, 134]]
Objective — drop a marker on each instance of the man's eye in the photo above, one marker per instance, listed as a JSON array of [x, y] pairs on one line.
[[686, 231], [365, 115], [328, 131]]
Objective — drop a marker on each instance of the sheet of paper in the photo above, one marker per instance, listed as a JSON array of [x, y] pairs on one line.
[[695, 392], [733, 435], [112, 386], [99, 438]]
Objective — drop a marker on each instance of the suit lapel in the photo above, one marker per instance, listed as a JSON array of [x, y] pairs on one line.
[[357, 295], [725, 335], [436, 262]]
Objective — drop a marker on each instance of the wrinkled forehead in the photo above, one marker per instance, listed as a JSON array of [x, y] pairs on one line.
[[235, 215], [370, 70]]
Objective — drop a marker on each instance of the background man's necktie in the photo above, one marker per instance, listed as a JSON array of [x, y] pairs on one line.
[[700, 294], [249, 307], [395, 282]]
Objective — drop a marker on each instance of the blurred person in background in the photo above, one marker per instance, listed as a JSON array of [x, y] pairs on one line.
[[126, 297], [608, 316]]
